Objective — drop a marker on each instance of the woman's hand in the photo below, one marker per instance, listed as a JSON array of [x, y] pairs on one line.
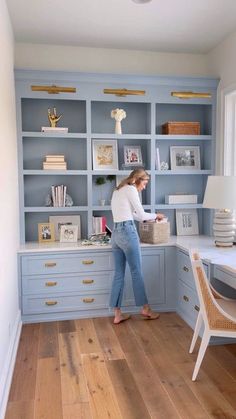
[[160, 217]]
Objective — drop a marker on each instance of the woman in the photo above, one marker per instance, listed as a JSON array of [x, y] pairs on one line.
[[126, 207]]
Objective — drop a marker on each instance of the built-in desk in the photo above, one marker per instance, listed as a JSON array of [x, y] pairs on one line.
[[71, 280]]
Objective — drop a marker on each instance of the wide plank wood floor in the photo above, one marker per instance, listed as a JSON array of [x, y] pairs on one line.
[[90, 368]]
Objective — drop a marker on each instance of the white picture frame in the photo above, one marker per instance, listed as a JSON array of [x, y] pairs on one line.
[[186, 222], [185, 157], [105, 155], [69, 233], [133, 155], [60, 220]]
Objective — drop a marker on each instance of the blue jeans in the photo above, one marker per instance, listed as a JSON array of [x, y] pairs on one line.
[[126, 247]]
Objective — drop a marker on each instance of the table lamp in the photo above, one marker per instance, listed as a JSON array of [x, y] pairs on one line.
[[220, 194]]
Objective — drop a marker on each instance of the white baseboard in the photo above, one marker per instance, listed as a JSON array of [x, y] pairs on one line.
[[6, 376]]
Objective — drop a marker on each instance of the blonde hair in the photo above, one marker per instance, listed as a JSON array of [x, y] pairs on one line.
[[134, 178]]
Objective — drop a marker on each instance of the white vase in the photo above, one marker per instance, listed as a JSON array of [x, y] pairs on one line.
[[102, 202], [118, 128]]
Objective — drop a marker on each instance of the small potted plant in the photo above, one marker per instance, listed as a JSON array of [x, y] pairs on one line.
[[100, 181]]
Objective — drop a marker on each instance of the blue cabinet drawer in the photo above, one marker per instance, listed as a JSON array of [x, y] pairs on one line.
[[228, 278], [188, 303], [61, 303], [184, 269], [66, 263], [51, 284]]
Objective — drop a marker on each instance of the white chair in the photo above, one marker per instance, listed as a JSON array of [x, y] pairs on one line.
[[217, 313]]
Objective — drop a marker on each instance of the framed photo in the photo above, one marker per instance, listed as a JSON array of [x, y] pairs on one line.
[[133, 155], [186, 222], [59, 220], [185, 157], [69, 233], [105, 156], [45, 232]]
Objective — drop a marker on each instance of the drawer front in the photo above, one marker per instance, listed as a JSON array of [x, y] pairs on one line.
[[184, 269], [51, 284], [188, 303], [64, 263], [55, 303], [227, 278]]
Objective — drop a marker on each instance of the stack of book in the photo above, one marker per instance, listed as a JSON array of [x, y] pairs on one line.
[[58, 195], [55, 162], [99, 225]]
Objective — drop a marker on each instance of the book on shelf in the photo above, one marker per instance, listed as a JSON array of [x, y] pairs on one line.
[[52, 158], [58, 195], [54, 166], [55, 162], [61, 130], [99, 225]]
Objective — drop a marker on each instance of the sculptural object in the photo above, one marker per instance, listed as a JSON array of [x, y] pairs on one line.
[[53, 117], [118, 115]]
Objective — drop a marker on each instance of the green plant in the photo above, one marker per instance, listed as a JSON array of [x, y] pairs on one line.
[[100, 180], [110, 178]]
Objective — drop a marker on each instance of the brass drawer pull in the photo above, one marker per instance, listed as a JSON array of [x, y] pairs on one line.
[[196, 308], [88, 281], [87, 262], [51, 303], [88, 300], [50, 284], [185, 298], [185, 268], [50, 264]]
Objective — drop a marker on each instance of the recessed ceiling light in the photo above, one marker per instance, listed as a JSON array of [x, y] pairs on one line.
[[141, 1]]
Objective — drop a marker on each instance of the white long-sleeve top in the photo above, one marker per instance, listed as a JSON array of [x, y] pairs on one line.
[[126, 205]]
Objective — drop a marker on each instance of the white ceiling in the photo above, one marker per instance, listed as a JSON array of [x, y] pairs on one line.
[[162, 25]]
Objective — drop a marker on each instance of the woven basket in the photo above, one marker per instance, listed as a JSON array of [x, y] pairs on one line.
[[185, 128], [154, 232]]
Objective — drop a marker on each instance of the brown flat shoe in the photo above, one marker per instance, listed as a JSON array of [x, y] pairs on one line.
[[124, 317], [151, 315]]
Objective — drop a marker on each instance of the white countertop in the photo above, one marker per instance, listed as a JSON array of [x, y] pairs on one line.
[[204, 244]]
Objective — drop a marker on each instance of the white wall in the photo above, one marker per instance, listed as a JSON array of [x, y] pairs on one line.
[[9, 219], [104, 60], [222, 63]]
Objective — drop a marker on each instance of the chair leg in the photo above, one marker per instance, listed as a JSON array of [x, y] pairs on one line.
[[201, 353], [196, 331]]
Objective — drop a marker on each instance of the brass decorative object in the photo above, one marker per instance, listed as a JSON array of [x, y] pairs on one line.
[[53, 89], [190, 95], [53, 117], [124, 92]]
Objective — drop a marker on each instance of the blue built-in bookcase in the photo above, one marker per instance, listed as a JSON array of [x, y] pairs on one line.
[[87, 115]]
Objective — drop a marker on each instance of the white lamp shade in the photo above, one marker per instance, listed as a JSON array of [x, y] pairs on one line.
[[220, 192]]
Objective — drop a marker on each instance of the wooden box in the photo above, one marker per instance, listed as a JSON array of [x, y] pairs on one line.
[[154, 232], [185, 128]]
